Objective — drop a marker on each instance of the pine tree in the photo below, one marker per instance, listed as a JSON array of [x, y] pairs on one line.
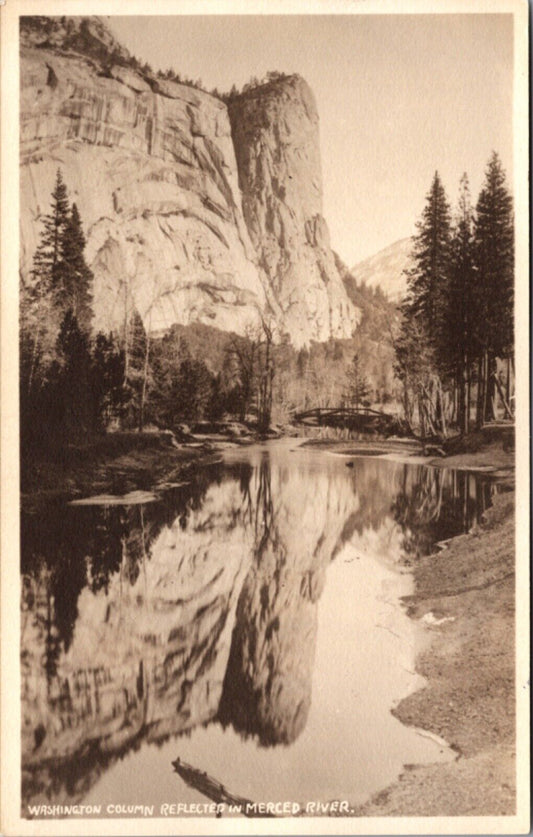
[[74, 379], [428, 277], [461, 304], [107, 380], [494, 258], [494, 253], [358, 388], [419, 348], [137, 371], [40, 298], [47, 262], [76, 276]]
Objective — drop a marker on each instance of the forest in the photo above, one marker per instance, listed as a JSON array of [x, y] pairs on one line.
[[443, 359], [455, 347]]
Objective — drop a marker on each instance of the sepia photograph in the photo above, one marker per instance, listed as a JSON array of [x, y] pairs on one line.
[[265, 455]]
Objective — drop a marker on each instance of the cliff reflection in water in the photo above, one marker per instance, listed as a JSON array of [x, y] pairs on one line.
[[145, 622], [267, 687]]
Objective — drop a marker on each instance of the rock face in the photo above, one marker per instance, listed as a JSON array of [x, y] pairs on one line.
[[157, 170], [275, 133], [386, 269]]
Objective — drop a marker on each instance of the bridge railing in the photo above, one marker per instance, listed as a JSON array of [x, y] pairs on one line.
[[324, 412]]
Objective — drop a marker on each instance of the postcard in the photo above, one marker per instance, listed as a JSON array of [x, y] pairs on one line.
[[265, 453]]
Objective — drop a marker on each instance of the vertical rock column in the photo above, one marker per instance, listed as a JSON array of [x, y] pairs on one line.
[[275, 134]]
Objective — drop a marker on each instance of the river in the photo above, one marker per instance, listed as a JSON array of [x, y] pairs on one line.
[[248, 622]]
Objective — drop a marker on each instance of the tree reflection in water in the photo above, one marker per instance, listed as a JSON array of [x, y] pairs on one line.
[[69, 548], [437, 503]]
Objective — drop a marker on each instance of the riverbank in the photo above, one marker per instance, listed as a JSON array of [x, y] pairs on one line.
[[115, 464], [122, 462], [466, 593], [490, 449]]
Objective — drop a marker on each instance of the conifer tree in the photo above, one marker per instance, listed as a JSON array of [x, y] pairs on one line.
[[428, 277], [136, 369], [107, 380], [494, 257], [460, 304], [419, 348], [47, 262], [358, 389], [494, 252], [40, 298], [76, 276], [74, 378]]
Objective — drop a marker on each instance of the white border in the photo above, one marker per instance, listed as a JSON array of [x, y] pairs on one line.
[[11, 823]]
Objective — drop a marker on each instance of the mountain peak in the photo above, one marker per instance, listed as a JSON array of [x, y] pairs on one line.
[[386, 269]]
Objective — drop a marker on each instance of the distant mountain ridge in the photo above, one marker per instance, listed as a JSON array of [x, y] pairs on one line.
[[385, 269]]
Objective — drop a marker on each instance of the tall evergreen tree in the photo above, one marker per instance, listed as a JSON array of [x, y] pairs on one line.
[[137, 370], [428, 276], [460, 304], [494, 255], [40, 297], [75, 379], [47, 262], [75, 275], [423, 335]]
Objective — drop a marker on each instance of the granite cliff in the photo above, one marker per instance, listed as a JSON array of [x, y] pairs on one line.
[[192, 212]]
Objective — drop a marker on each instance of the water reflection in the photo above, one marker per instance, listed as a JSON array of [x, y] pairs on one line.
[[267, 687], [147, 622], [434, 504]]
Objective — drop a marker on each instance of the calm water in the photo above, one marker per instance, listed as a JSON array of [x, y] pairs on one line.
[[248, 622]]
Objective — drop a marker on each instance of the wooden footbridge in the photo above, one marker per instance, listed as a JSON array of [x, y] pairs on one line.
[[361, 419]]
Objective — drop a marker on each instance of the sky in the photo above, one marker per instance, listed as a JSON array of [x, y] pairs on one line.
[[399, 97]]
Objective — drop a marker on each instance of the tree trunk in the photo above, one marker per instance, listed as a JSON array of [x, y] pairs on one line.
[[144, 386], [489, 412], [460, 390], [480, 392], [508, 382], [503, 399], [466, 425], [126, 350]]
